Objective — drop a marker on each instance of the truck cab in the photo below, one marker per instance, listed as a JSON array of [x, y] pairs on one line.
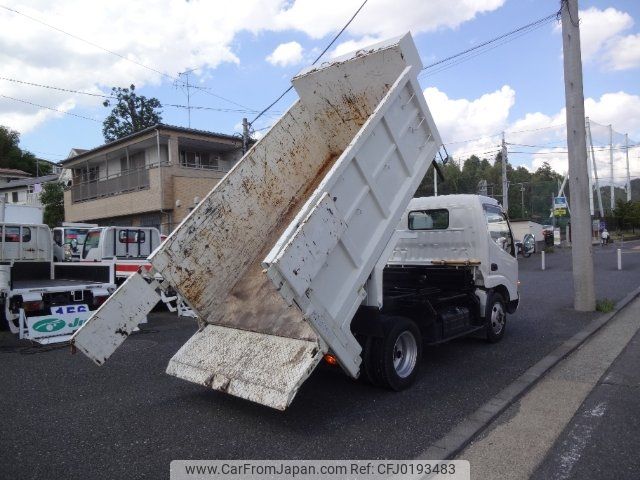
[[68, 241], [107, 243]]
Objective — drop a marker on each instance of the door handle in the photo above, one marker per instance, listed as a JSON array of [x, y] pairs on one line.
[[494, 267]]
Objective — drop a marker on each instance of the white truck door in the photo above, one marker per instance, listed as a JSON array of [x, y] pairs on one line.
[[502, 251]]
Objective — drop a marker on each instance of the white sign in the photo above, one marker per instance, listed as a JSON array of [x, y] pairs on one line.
[[556, 236], [63, 320]]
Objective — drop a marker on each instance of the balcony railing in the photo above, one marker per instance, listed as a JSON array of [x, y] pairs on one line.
[[128, 181]]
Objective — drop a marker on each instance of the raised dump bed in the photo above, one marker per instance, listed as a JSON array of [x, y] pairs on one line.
[[274, 260]]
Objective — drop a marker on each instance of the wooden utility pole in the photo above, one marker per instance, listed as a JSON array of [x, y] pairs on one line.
[[584, 298]]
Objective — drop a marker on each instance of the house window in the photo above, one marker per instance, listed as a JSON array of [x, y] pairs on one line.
[[14, 197], [206, 160]]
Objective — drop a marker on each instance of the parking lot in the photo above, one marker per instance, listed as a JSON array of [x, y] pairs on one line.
[[65, 417]]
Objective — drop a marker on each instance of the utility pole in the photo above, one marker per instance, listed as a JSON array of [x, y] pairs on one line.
[[584, 297], [245, 135], [505, 181], [589, 169], [435, 183], [611, 188], [595, 169], [626, 151]]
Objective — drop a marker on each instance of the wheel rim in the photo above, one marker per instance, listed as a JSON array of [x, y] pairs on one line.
[[405, 354], [497, 318]]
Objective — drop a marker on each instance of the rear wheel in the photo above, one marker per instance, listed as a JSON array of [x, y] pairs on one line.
[[392, 361], [495, 317]]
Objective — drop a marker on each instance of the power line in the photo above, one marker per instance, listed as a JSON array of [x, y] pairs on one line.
[[315, 61], [51, 87], [166, 75], [506, 37], [49, 108]]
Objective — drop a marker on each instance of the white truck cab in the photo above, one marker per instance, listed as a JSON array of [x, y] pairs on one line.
[[459, 230], [105, 243], [68, 241]]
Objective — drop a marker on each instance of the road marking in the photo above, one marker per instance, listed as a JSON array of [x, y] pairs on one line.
[[519, 439]]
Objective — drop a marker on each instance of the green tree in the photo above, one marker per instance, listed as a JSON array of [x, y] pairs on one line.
[[12, 156], [131, 113], [52, 197]]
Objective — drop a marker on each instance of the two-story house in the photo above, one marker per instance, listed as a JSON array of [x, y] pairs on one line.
[[20, 188], [153, 177]]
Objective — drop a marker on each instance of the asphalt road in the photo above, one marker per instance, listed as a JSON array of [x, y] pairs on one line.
[[62, 416]]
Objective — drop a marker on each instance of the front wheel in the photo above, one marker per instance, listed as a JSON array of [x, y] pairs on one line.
[[495, 317], [392, 361]]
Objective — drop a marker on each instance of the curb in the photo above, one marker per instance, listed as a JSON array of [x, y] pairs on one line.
[[447, 447]]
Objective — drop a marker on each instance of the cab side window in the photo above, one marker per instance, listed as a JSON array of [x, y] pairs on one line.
[[498, 227]]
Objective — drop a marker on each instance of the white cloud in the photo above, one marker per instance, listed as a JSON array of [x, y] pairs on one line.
[[482, 119], [462, 119], [286, 54], [598, 27], [173, 35], [380, 19], [353, 45], [602, 40], [625, 53]]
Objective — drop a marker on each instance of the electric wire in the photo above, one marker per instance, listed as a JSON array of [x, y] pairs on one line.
[[315, 61]]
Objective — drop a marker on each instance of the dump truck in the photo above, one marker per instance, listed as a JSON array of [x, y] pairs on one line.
[[285, 261]]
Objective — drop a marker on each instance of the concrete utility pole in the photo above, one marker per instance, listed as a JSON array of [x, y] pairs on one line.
[[435, 183], [611, 189], [626, 151], [505, 181], [584, 297], [245, 135]]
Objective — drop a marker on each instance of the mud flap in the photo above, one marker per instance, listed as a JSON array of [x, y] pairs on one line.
[[263, 368], [112, 323]]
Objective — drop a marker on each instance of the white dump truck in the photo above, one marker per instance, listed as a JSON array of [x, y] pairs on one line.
[[311, 246], [41, 300]]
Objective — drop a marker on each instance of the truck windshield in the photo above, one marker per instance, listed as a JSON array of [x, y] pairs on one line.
[[74, 233], [92, 240]]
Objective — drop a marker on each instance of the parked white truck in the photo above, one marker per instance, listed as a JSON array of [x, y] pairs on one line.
[[127, 247], [39, 299], [68, 241], [311, 246]]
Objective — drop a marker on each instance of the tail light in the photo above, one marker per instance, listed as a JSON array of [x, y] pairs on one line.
[[34, 306], [331, 359]]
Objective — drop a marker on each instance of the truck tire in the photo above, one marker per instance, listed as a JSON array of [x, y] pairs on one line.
[[393, 360], [495, 317]]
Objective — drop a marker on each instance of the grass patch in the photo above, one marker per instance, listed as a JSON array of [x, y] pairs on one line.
[[548, 249], [605, 305]]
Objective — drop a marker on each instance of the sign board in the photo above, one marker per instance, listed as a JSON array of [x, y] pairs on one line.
[[560, 206], [556, 236], [63, 320]]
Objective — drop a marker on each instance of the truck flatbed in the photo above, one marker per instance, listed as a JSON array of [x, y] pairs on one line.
[[52, 283]]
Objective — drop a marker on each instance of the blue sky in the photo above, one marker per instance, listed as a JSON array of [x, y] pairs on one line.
[[513, 87]]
